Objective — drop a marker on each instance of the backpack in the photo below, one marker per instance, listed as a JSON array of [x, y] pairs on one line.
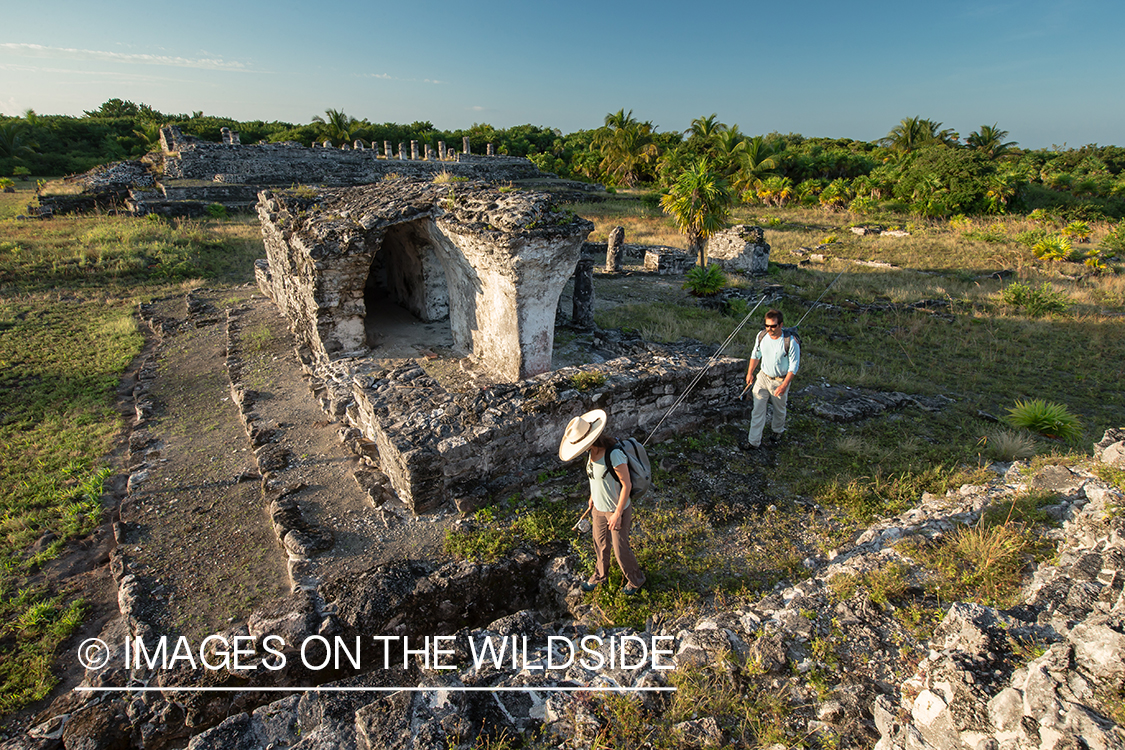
[[788, 334], [640, 468]]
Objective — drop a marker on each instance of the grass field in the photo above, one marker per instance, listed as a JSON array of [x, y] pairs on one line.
[[68, 293]]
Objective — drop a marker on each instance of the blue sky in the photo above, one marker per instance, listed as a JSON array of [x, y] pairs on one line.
[[1047, 72]]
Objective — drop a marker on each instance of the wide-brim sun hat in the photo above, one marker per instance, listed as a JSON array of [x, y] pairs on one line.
[[581, 433]]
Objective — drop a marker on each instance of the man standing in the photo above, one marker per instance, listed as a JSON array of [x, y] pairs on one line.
[[780, 356]]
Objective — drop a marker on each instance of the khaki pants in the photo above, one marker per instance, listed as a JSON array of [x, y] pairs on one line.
[[764, 386], [604, 537]]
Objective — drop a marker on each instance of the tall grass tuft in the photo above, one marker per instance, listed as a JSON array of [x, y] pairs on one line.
[[1008, 445]]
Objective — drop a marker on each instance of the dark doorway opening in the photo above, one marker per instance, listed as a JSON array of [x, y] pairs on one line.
[[406, 296]]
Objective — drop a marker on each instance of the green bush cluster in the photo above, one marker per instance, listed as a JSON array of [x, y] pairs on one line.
[[705, 281], [1036, 301], [1046, 418]]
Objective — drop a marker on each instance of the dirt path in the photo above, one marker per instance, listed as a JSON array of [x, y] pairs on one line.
[[196, 530], [197, 526]]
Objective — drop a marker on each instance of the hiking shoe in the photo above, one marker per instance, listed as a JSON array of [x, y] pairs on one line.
[[747, 446], [587, 586], [631, 590], [775, 438]]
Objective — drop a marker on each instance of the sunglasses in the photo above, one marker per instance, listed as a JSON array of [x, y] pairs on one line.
[[773, 325]]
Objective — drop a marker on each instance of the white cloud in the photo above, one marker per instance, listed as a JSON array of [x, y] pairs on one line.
[[39, 50], [387, 77]]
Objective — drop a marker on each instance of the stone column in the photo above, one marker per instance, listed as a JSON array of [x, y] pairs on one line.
[[387, 150], [358, 145], [441, 150], [327, 144], [488, 150], [614, 254], [583, 311], [429, 153], [414, 150], [465, 145], [402, 151]]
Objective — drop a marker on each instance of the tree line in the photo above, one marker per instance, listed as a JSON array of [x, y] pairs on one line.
[[919, 167]]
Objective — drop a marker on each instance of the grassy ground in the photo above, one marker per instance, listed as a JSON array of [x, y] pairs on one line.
[[68, 290], [976, 349]]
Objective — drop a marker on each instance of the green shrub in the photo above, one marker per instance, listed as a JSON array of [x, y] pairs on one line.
[[863, 205], [217, 211], [7, 185], [704, 282], [1053, 247], [1036, 301], [22, 172], [1078, 230], [1046, 418]]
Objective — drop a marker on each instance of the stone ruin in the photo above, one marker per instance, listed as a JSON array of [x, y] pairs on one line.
[[494, 263], [188, 175], [288, 163]]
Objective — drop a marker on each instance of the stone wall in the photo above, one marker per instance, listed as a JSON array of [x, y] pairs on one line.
[[290, 163], [496, 260], [437, 446]]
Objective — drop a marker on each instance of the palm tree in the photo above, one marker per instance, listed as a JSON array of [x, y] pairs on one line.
[[914, 132], [14, 140], [989, 140], [626, 146], [339, 127], [754, 161], [699, 203], [705, 129], [729, 144], [775, 190]]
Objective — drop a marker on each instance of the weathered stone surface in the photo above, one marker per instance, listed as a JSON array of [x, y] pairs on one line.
[[668, 261], [494, 262], [614, 255], [740, 248], [1056, 479], [700, 732], [845, 404], [434, 445]]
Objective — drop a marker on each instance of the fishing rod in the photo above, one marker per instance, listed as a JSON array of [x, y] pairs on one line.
[[711, 361]]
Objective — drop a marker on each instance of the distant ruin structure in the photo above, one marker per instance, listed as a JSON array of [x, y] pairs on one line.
[[289, 163]]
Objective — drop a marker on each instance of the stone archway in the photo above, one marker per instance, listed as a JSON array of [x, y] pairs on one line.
[[405, 295]]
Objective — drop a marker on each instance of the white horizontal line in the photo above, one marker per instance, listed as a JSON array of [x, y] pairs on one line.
[[452, 689]]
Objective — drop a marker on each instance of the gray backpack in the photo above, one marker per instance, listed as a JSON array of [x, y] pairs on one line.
[[640, 468]]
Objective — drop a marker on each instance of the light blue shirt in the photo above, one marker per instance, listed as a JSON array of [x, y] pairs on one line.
[[604, 487], [771, 353]]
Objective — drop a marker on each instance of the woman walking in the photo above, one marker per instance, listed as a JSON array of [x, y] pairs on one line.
[[612, 513]]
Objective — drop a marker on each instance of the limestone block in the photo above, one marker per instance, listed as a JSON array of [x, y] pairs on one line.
[[740, 248]]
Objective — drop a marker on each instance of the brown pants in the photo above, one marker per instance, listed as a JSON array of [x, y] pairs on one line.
[[603, 537]]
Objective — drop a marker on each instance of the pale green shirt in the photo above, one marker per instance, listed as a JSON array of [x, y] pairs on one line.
[[604, 487]]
